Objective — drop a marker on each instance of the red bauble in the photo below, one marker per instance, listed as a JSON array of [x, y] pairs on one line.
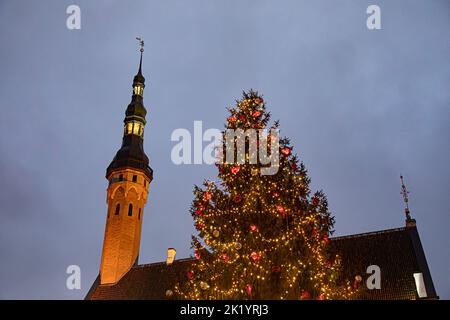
[[197, 255], [286, 151], [326, 239], [256, 113], [207, 196], [235, 169], [321, 297], [293, 166], [225, 258], [232, 119], [190, 275], [315, 201], [276, 269], [281, 210], [276, 194], [249, 289], [199, 226], [357, 281], [253, 227], [198, 212], [305, 295], [242, 117], [237, 198], [255, 256]]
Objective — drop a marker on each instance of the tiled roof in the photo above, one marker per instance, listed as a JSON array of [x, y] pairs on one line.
[[398, 253]]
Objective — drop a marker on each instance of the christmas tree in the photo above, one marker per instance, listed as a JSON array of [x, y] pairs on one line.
[[261, 236]]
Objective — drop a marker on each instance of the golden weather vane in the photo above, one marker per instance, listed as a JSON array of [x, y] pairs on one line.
[[405, 193], [141, 43]]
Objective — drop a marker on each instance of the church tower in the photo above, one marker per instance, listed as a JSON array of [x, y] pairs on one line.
[[129, 176]]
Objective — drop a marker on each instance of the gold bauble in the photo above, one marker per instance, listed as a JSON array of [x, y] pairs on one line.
[[204, 285]]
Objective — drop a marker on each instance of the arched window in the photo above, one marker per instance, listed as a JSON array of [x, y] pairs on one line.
[[130, 210], [117, 209], [139, 215], [121, 177]]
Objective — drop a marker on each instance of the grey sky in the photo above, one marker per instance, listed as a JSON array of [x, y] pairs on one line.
[[360, 107]]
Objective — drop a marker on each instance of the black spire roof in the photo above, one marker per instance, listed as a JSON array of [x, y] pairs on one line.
[[136, 109], [139, 78], [131, 154]]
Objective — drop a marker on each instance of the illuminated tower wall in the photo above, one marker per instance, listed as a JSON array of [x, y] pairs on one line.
[[129, 177]]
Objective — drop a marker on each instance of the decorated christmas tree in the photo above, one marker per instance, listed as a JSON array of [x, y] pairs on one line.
[[261, 234]]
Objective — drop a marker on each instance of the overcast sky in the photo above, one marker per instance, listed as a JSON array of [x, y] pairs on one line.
[[360, 107]]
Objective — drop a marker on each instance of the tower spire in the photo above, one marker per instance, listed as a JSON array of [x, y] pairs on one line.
[[404, 192], [139, 80], [129, 176], [141, 44], [132, 154]]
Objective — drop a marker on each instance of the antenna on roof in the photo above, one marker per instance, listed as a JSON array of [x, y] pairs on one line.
[[404, 192]]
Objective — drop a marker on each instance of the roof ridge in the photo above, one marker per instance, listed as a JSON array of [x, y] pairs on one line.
[[161, 263], [356, 235], [370, 233]]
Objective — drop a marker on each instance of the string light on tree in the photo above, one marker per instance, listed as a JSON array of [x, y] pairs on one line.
[[271, 226]]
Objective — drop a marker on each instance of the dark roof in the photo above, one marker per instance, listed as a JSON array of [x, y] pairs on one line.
[[131, 155], [148, 282], [398, 253]]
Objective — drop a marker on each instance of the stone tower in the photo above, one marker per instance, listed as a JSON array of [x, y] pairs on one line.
[[129, 177]]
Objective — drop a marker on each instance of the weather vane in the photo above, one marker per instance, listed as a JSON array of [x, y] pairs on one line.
[[141, 43], [405, 193]]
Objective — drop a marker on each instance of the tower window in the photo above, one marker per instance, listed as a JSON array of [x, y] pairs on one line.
[[138, 90], [117, 209], [121, 177], [139, 214], [136, 128], [135, 178], [130, 210], [129, 128]]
